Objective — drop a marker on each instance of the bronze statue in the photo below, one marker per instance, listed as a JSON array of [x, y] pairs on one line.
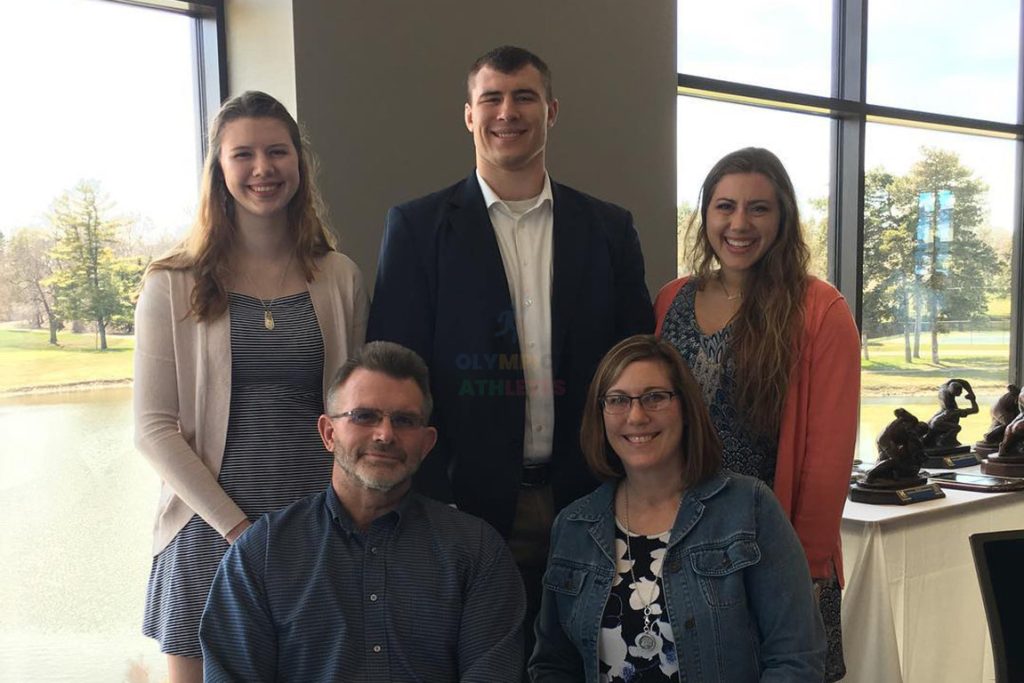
[[1012, 444], [1003, 413], [945, 424], [900, 452], [1009, 460]]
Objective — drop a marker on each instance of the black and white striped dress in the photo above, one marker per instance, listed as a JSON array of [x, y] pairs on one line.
[[273, 456]]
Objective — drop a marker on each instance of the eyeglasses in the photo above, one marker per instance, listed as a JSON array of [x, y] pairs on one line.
[[371, 417], [652, 401]]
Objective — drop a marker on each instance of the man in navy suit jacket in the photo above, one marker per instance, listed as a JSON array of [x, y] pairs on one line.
[[512, 287]]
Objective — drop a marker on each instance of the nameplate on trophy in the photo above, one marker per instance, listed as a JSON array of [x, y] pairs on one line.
[[919, 494], [952, 461]]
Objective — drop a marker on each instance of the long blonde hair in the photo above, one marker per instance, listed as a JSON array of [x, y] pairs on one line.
[[206, 248], [766, 330]]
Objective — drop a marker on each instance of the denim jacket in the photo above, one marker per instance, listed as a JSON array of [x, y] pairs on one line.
[[737, 589]]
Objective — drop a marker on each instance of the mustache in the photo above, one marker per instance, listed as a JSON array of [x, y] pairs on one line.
[[391, 450]]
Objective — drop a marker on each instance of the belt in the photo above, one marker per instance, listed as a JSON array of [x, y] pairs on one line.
[[535, 476]]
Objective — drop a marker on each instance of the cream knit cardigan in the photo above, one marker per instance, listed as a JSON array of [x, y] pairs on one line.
[[182, 392]]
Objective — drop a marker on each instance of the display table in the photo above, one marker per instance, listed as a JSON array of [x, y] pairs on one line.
[[912, 610]]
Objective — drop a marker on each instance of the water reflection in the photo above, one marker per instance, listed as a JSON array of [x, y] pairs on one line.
[[78, 503]]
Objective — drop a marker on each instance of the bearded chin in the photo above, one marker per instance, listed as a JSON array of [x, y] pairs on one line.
[[379, 484]]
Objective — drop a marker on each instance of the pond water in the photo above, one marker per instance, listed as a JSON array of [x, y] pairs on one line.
[[75, 536]]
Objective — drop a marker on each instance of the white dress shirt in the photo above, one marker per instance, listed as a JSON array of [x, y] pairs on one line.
[[524, 231]]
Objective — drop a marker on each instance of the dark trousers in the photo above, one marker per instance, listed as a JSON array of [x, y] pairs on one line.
[[529, 543]]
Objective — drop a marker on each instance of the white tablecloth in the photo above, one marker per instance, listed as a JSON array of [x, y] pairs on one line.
[[912, 610]]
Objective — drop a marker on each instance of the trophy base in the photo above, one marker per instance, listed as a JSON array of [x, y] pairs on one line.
[[983, 448], [908, 495], [1005, 466], [951, 459]]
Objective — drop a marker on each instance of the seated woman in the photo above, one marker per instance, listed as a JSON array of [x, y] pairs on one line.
[[673, 565]]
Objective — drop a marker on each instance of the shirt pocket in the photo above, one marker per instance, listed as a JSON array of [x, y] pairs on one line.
[[719, 571], [566, 584]]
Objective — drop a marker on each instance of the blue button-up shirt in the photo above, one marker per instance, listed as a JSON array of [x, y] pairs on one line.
[[427, 593]]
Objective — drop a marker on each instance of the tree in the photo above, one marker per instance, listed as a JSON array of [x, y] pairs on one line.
[[84, 282], [923, 257], [888, 255], [30, 266], [127, 274], [815, 227], [684, 239]]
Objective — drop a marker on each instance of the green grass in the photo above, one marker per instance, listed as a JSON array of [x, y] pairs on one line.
[[999, 308], [28, 360], [982, 358]]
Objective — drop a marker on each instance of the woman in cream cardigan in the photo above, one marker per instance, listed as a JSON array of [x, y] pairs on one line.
[[238, 330]]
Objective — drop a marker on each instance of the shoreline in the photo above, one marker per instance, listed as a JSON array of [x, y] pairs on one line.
[[887, 394], [67, 388]]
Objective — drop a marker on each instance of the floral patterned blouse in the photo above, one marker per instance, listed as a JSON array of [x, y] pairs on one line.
[[743, 450], [621, 658]]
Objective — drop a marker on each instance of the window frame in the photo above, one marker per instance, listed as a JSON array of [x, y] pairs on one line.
[[849, 111]]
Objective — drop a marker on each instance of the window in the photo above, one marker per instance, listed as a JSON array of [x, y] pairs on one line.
[[908, 118], [111, 103]]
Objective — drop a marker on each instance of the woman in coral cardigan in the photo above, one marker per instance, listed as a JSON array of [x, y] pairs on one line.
[[776, 352], [237, 332]]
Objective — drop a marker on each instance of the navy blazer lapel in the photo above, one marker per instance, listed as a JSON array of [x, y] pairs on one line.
[[569, 248], [473, 249]]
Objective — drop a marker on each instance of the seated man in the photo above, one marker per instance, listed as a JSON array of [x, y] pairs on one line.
[[368, 581]]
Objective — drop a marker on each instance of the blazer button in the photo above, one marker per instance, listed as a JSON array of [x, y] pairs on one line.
[[673, 565], [726, 562]]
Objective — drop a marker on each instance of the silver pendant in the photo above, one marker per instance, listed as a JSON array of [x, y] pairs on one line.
[[646, 643], [268, 319]]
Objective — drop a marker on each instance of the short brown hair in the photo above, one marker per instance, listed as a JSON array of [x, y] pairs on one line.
[[701, 448], [509, 59], [387, 358]]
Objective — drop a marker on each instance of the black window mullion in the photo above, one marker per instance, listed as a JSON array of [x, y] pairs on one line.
[[846, 214]]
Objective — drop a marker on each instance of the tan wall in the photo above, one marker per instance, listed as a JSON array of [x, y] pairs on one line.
[[380, 86], [261, 49]]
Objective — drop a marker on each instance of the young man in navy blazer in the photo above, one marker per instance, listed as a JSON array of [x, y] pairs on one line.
[[512, 287]]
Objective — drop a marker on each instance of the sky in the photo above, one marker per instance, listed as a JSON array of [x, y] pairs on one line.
[[97, 90], [104, 92]]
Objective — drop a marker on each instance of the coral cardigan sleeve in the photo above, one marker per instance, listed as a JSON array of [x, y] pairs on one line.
[[158, 434], [831, 390], [664, 301]]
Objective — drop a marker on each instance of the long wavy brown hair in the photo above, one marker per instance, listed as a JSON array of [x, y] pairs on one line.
[[766, 330], [206, 249]]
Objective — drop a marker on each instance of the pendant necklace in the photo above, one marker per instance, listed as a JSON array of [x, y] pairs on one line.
[[645, 640], [268, 314], [728, 296]]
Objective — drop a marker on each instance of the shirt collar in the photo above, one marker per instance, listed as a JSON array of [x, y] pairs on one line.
[[491, 198], [344, 520]]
